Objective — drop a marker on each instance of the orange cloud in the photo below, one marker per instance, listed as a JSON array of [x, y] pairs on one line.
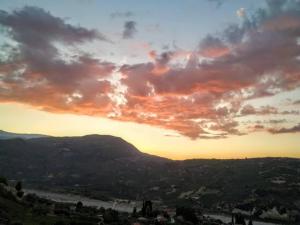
[[201, 96]]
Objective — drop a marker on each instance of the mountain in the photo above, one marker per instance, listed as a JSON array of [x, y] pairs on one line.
[[105, 164], [9, 135], [102, 166]]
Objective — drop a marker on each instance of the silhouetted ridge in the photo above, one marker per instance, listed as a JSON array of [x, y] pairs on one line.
[[97, 146], [104, 165], [9, 135]]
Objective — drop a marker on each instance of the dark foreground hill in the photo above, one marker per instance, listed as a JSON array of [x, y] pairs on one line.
[[106, 166], [102, 164]]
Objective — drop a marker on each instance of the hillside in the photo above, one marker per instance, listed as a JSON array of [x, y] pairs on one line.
[[105, 166]]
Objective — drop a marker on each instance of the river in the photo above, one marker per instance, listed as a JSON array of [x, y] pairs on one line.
[[70, 198], [119, 206]]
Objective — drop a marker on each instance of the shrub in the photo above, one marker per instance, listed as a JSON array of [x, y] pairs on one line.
[[18, 186], [3, 180], [20, 194]]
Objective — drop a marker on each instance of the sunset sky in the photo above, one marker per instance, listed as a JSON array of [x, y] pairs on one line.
[[176, 78]]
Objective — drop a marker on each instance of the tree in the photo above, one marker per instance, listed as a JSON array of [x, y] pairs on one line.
[[20, 194], [79, 206], [187, 213], [18, 186], [111, 216], [59, 222], [3, 180], [17, 223], [134, 212]]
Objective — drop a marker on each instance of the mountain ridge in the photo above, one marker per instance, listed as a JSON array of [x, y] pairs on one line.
[[104, 166], [10, 135]]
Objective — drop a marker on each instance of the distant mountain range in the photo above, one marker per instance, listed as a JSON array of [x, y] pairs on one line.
[[9, 135], [103, 166]]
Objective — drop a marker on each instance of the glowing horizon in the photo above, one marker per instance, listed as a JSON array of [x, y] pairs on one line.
[[18, 119]]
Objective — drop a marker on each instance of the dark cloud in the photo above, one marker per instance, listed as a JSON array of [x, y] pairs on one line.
[[263, 110], [33, 25], [129, 29], [118, 14], [275, 6], [267, 122], [297, 102], [294, 129], [277, 121], [290, 112], [171, 135], [217, 2], [258, 126], [212, 47], [36, 74], [248, 110]]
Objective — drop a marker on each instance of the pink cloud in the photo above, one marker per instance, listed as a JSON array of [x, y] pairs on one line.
[[201, 97]]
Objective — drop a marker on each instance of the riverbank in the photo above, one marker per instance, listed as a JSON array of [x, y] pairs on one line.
[[71, 198], [121, 206]]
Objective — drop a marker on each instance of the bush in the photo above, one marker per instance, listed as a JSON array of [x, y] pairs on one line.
[[40, 210], [17, 223], [18, 186], [60, 222], [79, 206], [187, 213], [111, 216], [20, 194], [31, 199], [3, 180]]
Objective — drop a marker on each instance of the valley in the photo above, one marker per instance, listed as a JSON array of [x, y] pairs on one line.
[[108, 168]]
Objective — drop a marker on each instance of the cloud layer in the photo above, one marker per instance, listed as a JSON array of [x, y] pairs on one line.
[[129, 29], [34, 72], [202, 93]]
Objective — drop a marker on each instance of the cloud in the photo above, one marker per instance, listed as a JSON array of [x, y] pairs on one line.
[[43, 27], [217, 2], [213, 47], [201, 93], [263, 110], [290, 112], [119, 14], [277, 121], [241, 12], [259, 127], [172, 135], [297, 102], [294, 129], [35, 73], [248, 61], [129, 29]]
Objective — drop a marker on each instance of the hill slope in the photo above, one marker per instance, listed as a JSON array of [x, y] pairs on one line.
[[106, 166]]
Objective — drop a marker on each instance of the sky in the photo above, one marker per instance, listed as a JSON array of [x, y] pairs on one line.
[[180, 79]]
